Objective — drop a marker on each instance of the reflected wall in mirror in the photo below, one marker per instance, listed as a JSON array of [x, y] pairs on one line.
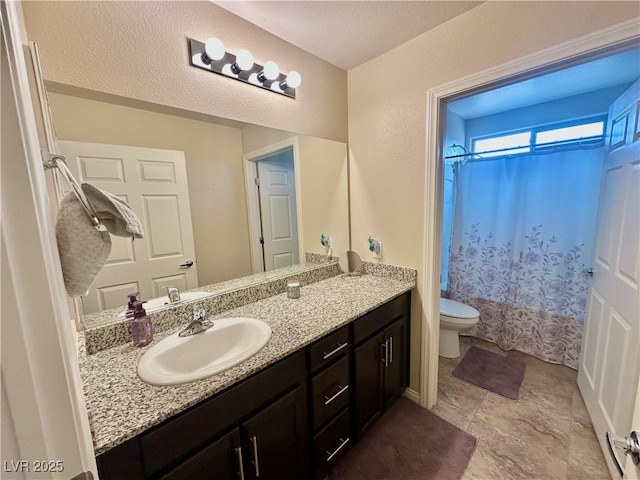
[[135, 152]]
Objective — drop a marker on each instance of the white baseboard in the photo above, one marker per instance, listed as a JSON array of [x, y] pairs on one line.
[[411, 395]]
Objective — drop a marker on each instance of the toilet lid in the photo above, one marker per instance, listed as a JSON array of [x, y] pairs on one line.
[[450, 308]]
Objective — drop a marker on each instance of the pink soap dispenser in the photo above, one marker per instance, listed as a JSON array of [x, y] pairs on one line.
[[141, 326]]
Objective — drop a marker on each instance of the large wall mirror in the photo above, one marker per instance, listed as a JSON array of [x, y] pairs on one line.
[[191, 180]]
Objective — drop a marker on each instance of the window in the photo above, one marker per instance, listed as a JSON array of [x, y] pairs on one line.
[[593, 130], [580, 132], [502, 145]]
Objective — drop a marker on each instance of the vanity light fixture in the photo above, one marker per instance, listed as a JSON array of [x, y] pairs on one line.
[[244, 61], [213, 50], [213, 57], [293, 80], [271, 71]]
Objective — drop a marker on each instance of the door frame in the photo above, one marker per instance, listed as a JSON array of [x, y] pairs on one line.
[[42, 393], [605, 41], [253, 207]]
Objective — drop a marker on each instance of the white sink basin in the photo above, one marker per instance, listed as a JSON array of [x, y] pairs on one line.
[[177, 359], [161, 302]]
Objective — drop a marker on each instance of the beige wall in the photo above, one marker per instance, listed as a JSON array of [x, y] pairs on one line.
[[255, 137], [325, 202], [139, 50], [387, 114], [215, 173]]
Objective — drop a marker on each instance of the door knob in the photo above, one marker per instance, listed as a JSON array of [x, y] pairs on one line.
[[629, 445], [186, 264]]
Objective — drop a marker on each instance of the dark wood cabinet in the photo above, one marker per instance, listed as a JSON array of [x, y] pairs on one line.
[[329, 392], [275, 439], [222, 460], [329, 400], [395, 371], [291, 421], [367, 380], [271, 444], [381, 362], [218, 431], [330, 443]]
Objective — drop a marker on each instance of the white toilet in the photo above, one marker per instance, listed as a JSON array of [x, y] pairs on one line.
[[454, 317]]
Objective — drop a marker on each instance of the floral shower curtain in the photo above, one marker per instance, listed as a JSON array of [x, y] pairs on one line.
[[522, 239]]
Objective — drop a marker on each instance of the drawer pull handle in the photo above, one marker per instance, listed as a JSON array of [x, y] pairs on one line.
[[334, 351], [331, 455], [239, 454], [254, 444], [328, 400]]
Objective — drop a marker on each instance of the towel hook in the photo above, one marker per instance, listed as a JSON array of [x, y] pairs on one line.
[[50, 160]]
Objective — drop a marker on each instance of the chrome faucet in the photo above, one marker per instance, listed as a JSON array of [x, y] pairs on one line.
[[174, 294], [198, 324]]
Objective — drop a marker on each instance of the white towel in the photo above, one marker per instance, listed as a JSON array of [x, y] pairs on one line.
[[83, 249], [114, 213]]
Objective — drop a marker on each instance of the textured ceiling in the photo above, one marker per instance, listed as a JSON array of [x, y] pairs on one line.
[[347, 33]]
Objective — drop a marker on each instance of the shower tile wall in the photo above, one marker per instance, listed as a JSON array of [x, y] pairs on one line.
[[545, 434]]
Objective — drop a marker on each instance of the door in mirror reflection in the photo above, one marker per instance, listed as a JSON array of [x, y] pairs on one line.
[[154, 183], [278, 214]]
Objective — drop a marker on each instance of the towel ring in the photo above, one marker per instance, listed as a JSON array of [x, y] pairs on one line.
[[59, 161]]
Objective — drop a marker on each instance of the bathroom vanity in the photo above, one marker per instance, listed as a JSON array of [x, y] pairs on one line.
[[337, 359]]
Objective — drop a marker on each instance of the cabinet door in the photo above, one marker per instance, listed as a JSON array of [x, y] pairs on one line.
[[276, 439], [222, 460], [368, 366], [395, 378]]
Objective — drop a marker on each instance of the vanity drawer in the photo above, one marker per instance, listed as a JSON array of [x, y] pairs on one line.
[[331, 444], [326, 350], [330, 392], [374, 321]]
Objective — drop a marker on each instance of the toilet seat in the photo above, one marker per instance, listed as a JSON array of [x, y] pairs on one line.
[[456, 311]]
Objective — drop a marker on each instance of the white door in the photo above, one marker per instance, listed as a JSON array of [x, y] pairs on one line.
[[278, 210], [154, 183], [609, 368]]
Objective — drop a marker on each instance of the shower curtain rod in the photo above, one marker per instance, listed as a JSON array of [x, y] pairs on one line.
[[593, 141]]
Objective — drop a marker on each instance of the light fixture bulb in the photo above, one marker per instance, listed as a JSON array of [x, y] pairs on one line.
[[213, 49], [271, 71], [293, 80], [244, 60]]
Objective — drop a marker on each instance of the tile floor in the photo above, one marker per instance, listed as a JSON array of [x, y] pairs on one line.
[[545, 434]]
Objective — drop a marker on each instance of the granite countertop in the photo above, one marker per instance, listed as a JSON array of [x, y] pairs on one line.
[[104, 317], [120, 405]]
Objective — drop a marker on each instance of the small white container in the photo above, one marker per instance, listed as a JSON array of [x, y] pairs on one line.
[[293, 289]]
